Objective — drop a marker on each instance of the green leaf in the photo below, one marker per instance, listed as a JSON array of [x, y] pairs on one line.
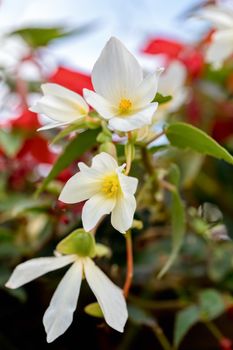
[[177, 219], [158, 148], [10, 142], [161, 99], [79, 145], [185, 319], [66, 131], [42, 36], [183, 135], [140, 317], [94, 310], [211, 304]]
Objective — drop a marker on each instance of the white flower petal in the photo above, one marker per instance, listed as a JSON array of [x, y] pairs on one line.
[[94, 209], [146, 91], [103, 162], [221, 47], [123, 212], [108, 295], [221, 17], [52, 126], [60, 104], [99, 103], [56, 109], [31, 269], [178, 100], [172, 79], [79, 188], [64, 93], [128, 183], [88, 171], [134, 121], [59, 315], [116, 73]]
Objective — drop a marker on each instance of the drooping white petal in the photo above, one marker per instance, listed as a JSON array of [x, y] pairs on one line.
[[30, 270], [128, 183], [221, 47], [56, 109], [146, 91], [99, 103], [123, 212], [52, 126], [108, 295], [60, 104], [94, 209], [134, 121], [116, 73], [59, 315], [64, 93], [79, 188], [221, 17], [103, 162]]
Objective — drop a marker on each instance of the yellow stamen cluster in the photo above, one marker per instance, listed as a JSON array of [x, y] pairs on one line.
[[124, 106], [110, 185]]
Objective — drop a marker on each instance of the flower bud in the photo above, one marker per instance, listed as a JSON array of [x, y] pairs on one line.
[[78, 242], [109, 148]]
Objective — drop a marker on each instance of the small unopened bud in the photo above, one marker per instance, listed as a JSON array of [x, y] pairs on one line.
[[109, 148], [94, 310], [138, 224], [78, 242]]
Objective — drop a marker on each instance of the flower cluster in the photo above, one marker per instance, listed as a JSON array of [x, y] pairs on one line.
[[123, 98], [124, 111]]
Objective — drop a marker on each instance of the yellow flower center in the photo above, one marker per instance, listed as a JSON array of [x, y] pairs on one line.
[[124, 105], [110, 185]]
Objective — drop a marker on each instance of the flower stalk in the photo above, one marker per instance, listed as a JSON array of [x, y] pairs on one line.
[[129, 270]]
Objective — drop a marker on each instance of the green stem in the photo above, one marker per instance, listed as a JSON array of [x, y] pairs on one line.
[[161, 337], [149, 167], [129, 272], [214, 330], [157, 136]]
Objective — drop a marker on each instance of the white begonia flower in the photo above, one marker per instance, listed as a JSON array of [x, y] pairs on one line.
[[172, 83], [122, 96], [221, 46], [107, 189], [60, 104], [59, 315]]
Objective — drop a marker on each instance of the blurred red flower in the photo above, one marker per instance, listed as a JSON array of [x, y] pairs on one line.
[[71, 79], [27, 121], [225, 344], [188, 55], [37, 147]]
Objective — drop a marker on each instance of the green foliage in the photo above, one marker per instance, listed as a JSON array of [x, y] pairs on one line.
[[42, 36], [177, 219], [79, 145], [66, 131], [211, 304], [162, 99], [140, 317], [185, 319], [11, 142], [184, 136]]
